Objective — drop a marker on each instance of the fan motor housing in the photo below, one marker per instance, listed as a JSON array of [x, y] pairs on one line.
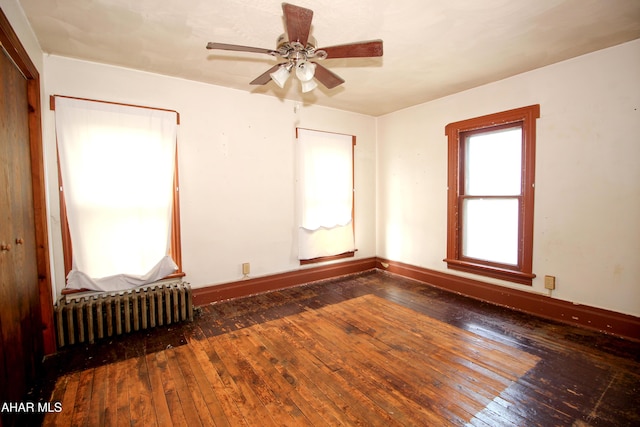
[[295, 50]]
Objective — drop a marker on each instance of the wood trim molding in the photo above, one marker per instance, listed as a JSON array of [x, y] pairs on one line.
[[585, 316], [52, 104], [12, 44], [349, 254], [457, 133], [242, 288]]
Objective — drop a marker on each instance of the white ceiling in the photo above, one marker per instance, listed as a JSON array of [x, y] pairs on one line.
[[432, 48]]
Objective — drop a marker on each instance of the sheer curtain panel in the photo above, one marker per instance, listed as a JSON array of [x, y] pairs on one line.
[[325, 194], [117, 167]]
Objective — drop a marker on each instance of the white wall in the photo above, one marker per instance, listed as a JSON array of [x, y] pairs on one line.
[[236, 170], [587, 201], [21, 27], [236, 166]]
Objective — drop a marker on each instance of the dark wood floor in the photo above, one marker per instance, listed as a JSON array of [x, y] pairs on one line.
[[372, 349]]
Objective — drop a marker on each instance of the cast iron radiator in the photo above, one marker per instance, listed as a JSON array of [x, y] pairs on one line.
[[87, 318]]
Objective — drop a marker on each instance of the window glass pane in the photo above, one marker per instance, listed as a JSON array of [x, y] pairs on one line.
[[494, 163], [490, 230]]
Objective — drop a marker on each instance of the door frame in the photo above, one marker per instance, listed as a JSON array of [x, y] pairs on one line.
[[20, 57]]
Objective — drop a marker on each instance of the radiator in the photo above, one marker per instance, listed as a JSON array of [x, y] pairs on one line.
[[88, 318]]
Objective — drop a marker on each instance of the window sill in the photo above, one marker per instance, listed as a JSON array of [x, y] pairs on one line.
[[490, 271], [327, 258]]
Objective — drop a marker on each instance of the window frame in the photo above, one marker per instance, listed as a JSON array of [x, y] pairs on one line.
[[175, 249], [348, 254], [456, 132]]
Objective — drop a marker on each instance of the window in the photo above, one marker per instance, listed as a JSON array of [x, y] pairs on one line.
[[325, 195], [491, 194], [119, 204]]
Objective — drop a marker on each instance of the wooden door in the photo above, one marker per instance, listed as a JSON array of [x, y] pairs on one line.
[[20, 320], [26, 306]]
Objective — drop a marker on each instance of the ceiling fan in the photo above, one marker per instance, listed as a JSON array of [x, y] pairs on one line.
[[301, 53]]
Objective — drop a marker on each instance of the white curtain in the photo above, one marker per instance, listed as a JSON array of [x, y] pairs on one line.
[[117, 167], [325, 194]]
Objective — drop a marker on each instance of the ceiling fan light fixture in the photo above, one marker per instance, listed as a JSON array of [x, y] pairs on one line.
[[308, 86], [281, 75], [297, 47], [305, 71], [320, 54]]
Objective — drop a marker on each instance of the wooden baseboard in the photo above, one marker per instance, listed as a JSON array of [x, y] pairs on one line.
[[540, 305], [585, 316], [258, 285]]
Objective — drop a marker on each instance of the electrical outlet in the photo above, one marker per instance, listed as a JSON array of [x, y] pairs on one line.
[[550, 282], [246, 268]]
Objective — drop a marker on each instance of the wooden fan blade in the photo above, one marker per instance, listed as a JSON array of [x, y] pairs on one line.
[[355, 50], [237, 48], [326, 77], [298, 23], [265, 77]]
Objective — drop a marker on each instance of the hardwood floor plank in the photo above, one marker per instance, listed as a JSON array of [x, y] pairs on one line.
[[135, 393], [174, 405], [182, 390], [239, 383], [265, 365], [306, 372], [140, 399], [621, 393], [158, 398], [98, 397], [255, 387], [227, 386], [202, 387], [319, 342], [83, 398], [110, 409], [468, 375], [312, 401], [397, 363], [231, 412], [199, 398], [371, 349], [353, 404], [394, 374], [436, 357], [123, 412], [69, 384], [504, 359], [194, 408]]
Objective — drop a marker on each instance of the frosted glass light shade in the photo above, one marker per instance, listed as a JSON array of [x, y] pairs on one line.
[[280, 76], [305, 71], [308, 85]]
